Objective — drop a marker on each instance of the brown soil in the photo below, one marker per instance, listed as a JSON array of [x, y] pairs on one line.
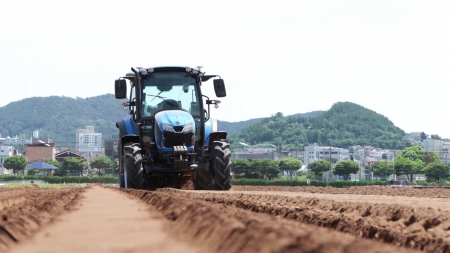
[[25, 210], [404, 225], [108, 219], [358, 190], [225, 228]]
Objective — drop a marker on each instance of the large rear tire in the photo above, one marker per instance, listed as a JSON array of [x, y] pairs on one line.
[[133, 176], [221, 165]]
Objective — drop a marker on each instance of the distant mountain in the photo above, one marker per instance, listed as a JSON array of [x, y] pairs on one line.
[[344, 124], [59, 118], [234, 127]]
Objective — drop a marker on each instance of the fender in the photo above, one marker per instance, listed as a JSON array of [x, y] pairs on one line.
[[130, 138], [210, 127], [216, 136], [126, 127]]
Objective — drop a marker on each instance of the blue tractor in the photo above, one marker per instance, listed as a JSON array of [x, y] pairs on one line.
[[168, 138]]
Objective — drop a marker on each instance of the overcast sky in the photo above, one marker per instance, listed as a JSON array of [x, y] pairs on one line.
[[392, 57]]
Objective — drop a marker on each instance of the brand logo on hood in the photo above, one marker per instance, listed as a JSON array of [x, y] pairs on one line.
[[177, 122]]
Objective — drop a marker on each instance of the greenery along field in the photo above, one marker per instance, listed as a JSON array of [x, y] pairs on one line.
[[344, 124]]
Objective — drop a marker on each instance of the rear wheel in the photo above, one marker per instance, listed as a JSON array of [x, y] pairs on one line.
[[221, 165], [133, 173]]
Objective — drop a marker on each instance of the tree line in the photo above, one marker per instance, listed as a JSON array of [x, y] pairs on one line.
[[410, 161], [69, 166]]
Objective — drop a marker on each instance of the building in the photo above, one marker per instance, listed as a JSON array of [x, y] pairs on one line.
[[60, 156], [445, 152], [16, 142], [38, 151], [314, 152], [88, 141], [6, 151], [67, 153], [261, 151], [431, 145]]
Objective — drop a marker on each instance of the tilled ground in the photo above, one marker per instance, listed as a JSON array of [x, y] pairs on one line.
[[370, 190], [25, 210], [245, 219]]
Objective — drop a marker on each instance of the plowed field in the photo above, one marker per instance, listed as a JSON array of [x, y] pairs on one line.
[[245, 219]]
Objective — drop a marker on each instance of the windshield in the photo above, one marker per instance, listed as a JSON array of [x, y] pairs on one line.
[[169, 90]]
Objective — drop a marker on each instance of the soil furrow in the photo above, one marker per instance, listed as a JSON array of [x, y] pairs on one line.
[[356, 190], [224, 228], [424, 229], [21, 220]]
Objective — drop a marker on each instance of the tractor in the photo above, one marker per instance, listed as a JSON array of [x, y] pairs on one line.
[[167, 138]]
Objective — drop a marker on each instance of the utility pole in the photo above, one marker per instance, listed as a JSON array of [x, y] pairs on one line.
[[363, 163], [329, 177]]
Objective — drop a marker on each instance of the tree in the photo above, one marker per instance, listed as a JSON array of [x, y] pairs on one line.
[[101, 162], [435, 137], [423, 136], [266, 167], [52, 162], [240, 165], [437, 171], [319, 167], [16, 163], [57, 172], [412, 160], [289, 164], [409, 167], [382, 169], [71, 164], [345, 168]]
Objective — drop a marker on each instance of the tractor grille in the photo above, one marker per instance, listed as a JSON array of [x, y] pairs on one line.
[[177, 139], [178, 128]]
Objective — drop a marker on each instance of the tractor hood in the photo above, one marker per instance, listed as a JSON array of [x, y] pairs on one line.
[[174, 118]]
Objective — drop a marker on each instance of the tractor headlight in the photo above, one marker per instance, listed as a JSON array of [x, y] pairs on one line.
[[187, 128], [168, 128]]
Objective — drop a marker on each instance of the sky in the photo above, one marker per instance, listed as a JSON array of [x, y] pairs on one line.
[[392, 57]]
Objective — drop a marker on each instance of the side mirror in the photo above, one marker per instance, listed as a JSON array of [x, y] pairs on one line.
[[120, 86], [219, 88]]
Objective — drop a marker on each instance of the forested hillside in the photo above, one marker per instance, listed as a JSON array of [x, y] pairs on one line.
[[58, 118], [234, 127], [344, 125]]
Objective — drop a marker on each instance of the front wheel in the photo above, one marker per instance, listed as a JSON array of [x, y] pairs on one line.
[[221, 165], [133, 173]]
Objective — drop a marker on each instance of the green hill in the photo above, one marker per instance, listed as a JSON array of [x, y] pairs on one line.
[[343, 125], [58, 118], [234, 127]]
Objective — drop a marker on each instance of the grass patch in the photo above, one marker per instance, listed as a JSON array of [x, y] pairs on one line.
[[16, 185], [337, 184]]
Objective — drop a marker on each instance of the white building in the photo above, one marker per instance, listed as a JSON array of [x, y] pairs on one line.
[[314, 153], [445, 152], [5, 151], [431, 145], [88, 141]]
